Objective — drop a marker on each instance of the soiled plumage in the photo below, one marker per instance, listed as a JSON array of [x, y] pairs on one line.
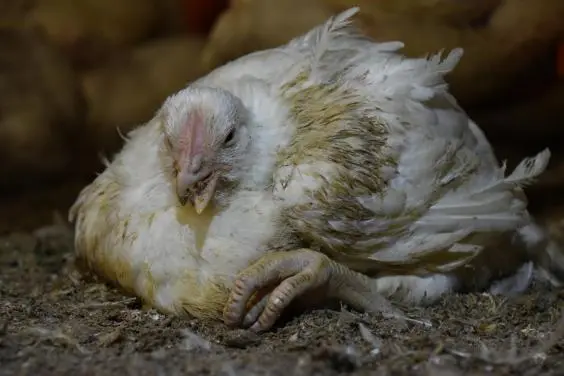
[[131, 230], [331, 165], [401, 175]]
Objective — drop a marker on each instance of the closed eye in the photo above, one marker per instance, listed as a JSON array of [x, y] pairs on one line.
[[230, 137]]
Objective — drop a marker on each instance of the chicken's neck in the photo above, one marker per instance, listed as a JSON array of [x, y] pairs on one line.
[[269, 130]]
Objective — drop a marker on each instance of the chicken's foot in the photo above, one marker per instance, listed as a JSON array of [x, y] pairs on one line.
[[295, 273]]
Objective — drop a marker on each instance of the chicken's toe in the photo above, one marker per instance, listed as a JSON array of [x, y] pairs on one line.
[[255, 311], [294, 271], [286, 292], [289, 275]]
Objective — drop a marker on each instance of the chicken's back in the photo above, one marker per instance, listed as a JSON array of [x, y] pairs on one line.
[[392, 176]]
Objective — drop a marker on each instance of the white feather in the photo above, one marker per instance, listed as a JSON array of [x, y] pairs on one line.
[[428, 131], [432, 140]]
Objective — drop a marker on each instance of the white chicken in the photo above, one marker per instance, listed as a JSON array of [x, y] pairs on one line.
[[331, 165]]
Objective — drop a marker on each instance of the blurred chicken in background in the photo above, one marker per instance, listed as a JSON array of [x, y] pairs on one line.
[[108, 65]]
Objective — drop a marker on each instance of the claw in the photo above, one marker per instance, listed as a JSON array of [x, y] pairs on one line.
[[295, 273]]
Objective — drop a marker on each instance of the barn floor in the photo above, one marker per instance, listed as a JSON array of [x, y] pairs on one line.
[[51, 322]]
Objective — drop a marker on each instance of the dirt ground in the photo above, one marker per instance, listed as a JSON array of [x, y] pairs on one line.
[[52, 322]]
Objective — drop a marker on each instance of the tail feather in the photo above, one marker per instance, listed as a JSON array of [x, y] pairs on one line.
[[529, 169], [483, 222], [525, 173], [493, 203], [494, 207]]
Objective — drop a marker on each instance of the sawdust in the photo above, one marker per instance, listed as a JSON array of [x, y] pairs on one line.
[[53, 322]]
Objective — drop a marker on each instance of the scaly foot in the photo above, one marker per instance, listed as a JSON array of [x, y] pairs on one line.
[[295, 272]]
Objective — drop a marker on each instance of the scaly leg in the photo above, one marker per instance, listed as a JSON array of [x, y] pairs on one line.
[[297, 272]]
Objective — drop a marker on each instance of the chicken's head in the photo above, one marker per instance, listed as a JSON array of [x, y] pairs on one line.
[[205, 131]]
